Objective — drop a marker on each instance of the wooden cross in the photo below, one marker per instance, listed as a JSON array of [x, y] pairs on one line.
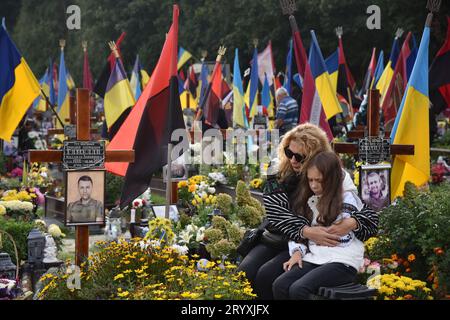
[[83, 123], [373, 123], [72, 120]]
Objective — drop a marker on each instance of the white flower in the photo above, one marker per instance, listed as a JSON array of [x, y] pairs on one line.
[[211, 190], [180, 249], [33, 134], [55, 231], [44, 175], [200, 234], [41, 222], [185, 237], [17, 205], [218, 177]]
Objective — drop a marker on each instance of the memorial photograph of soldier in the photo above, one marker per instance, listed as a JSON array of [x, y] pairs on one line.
[[85, 197], [374, 186]]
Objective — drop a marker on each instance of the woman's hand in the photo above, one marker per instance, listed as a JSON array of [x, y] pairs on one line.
[[342, 228], [321, 236], [295, 258]]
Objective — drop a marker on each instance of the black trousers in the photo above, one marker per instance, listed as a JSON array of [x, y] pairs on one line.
[[262, 265], [298, 283]]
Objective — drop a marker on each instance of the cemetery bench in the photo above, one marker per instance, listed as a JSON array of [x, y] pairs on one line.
[[349, 291]]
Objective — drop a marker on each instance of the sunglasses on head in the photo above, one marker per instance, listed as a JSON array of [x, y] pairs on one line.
[[290, 154]]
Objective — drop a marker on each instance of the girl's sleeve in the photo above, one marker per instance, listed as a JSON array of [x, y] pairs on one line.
[[366, 218], [278, 212]]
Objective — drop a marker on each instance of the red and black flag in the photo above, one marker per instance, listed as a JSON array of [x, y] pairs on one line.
[[345, 84], [151, 122], [102, 81], [440, 77], [191, 83], [212, 102]]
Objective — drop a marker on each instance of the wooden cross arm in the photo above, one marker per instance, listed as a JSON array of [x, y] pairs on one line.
[[352, 148], [359, 134], [61, 131], [57, 155]]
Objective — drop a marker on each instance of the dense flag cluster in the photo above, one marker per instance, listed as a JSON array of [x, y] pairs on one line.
[[141, 113]]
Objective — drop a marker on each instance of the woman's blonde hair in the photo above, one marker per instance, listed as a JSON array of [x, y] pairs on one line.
[[313, 140]]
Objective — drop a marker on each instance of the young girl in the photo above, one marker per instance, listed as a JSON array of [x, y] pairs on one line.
[[322, 201]]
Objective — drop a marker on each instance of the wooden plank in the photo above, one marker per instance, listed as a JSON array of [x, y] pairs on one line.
[[406, 149], [359, 134], [61, 131], [352, 148], [373, 120], [344, 147], [57, 155], [439, 150], [81, 244], [83, 115]]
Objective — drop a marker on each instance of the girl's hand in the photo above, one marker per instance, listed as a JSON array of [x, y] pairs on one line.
[[343, 228], [295, 258], [321, 236]]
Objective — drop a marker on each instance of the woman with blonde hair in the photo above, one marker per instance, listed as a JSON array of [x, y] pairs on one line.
[[264, 263]]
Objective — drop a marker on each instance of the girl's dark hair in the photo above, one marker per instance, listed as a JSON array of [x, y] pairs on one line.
[[330, 203]]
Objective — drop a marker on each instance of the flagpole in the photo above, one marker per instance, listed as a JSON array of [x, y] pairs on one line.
[[53, 108]]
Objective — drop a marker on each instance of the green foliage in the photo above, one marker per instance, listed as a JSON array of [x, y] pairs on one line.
[[443, 142], [225, 204], [249, 210], [19, 230], [418, 224], [114, 185], [9, 183], [222, 238]]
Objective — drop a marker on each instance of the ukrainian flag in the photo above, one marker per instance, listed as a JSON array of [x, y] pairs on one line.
[[388, 73], [378, 70], [135, 81], [322, 80], [332, 63], [119, 99], [41, 104], [18, 86], [63, 92], [239, 117], [252, 88], [183, 57], [412, 126], [267, 101]]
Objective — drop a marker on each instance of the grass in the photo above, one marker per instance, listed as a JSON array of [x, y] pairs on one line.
[[158, 200]]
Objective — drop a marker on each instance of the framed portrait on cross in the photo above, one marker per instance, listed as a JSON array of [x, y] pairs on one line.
[[85, 197], [374, 185]]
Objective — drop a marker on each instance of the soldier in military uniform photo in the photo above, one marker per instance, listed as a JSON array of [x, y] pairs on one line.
[[86, 209]]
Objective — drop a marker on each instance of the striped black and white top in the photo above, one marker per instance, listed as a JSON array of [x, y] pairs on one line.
[[281, 218]]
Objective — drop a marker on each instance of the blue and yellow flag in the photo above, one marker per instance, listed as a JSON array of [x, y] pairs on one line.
[[183, 57], [378, 70], [135, 81], [288, 74], [252, 88], [119, 99], [63, 92], [322, 80], [267, 101], [412, 126], [18, 86], [332, 63], [239, 116], [388, 73]]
